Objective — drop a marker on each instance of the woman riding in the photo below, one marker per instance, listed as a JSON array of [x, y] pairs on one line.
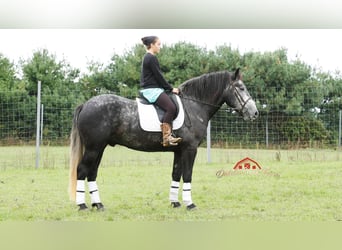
[[154, 88]]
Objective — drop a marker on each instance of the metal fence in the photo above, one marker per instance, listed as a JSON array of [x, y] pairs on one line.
[[276, 130], [317, 127]]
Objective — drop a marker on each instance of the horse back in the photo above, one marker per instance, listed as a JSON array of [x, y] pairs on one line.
[[103, 114]]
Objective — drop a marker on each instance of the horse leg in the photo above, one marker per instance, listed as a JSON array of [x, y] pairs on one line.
[[176, 176], [88, 169], [92, 185], [182, 167], [188, 159]]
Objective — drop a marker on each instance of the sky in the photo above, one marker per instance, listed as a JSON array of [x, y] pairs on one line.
[[320, 48]]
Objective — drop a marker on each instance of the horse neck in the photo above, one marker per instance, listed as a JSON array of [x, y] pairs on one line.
[[208, 91], [198, 106]]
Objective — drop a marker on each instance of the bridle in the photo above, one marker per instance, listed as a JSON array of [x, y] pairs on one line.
[[238, 96]]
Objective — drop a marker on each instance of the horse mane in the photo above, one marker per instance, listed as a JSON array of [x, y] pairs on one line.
[[206, 87]]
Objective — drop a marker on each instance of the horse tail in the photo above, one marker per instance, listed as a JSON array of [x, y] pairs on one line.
[[76, 153]]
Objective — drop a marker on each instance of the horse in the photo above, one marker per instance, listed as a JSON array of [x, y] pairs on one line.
[[110, 119]]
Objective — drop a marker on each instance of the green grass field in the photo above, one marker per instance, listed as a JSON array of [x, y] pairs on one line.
[[303, 185]]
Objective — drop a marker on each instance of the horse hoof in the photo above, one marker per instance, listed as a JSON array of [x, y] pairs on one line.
[[99, 206], [175, 204], [191, 207], [82, 207]]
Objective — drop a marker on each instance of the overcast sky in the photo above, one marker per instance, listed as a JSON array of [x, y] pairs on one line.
[[317, 47]]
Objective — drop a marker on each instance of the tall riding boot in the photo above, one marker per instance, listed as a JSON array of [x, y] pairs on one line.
[[168, 139]]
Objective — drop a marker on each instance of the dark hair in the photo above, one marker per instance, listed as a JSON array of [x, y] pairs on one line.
[[148, 40]]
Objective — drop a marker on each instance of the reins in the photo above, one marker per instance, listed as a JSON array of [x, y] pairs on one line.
[[199, 101], [236, 93]]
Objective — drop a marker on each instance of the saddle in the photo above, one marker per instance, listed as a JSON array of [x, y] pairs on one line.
[[160, 111], [150, 115]]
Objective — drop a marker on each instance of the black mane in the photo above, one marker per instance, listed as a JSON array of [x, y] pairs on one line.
[[206, 87]]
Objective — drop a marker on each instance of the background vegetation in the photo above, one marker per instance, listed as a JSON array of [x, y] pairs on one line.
[[299, 104]]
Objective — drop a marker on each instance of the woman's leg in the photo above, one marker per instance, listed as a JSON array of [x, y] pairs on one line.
[[166, 104]]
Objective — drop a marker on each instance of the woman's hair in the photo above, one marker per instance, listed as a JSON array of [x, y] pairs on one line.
[[148, 40]]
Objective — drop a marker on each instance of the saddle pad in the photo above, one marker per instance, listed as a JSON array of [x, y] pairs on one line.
[[148, 117]]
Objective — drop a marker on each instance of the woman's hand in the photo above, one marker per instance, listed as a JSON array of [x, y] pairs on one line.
[[175, 91]]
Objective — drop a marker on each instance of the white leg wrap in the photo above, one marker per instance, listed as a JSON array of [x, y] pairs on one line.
[[174, 191], [80, 192], [187, 193], [94, 192]]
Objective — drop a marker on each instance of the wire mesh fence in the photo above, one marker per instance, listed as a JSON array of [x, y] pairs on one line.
[[276, 130], [315, 125], [18, 114]]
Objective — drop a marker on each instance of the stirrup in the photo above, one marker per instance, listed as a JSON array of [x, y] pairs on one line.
[[172, 143], [174, 140], [169, 143]]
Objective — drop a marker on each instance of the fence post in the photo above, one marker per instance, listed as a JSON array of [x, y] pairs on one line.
[[41, 124], [266, 130], [339, 130], [38, 124], [208, 142]]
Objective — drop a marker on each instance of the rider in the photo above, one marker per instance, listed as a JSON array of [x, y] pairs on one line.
[[154, 87]]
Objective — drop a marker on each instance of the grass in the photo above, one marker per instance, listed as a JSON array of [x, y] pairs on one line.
[[293, 186]]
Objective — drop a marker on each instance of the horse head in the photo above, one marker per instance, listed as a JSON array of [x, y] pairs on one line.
[[239, 98]]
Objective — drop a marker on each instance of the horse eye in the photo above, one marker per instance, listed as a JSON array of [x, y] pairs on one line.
[[242, 88]]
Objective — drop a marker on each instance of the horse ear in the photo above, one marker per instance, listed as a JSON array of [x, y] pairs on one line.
[[237, 74]]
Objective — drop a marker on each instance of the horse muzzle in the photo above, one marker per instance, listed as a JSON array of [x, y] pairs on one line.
[[250, 111]]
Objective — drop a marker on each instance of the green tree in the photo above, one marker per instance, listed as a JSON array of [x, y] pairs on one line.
[[331, 101], [99, 80], [183, 61], [54, 75], [225, 58], [60, 93], [124, 71], [8, 79], [121, 76], [276, 82]]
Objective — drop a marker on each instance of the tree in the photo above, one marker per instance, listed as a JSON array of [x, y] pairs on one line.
[[225, 58], [331, 101], [291, 96], [60, 93], [98, 80], [8, 79], [125, 71], [54, 75], [276, 82], [183, 61], [121, 76]]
